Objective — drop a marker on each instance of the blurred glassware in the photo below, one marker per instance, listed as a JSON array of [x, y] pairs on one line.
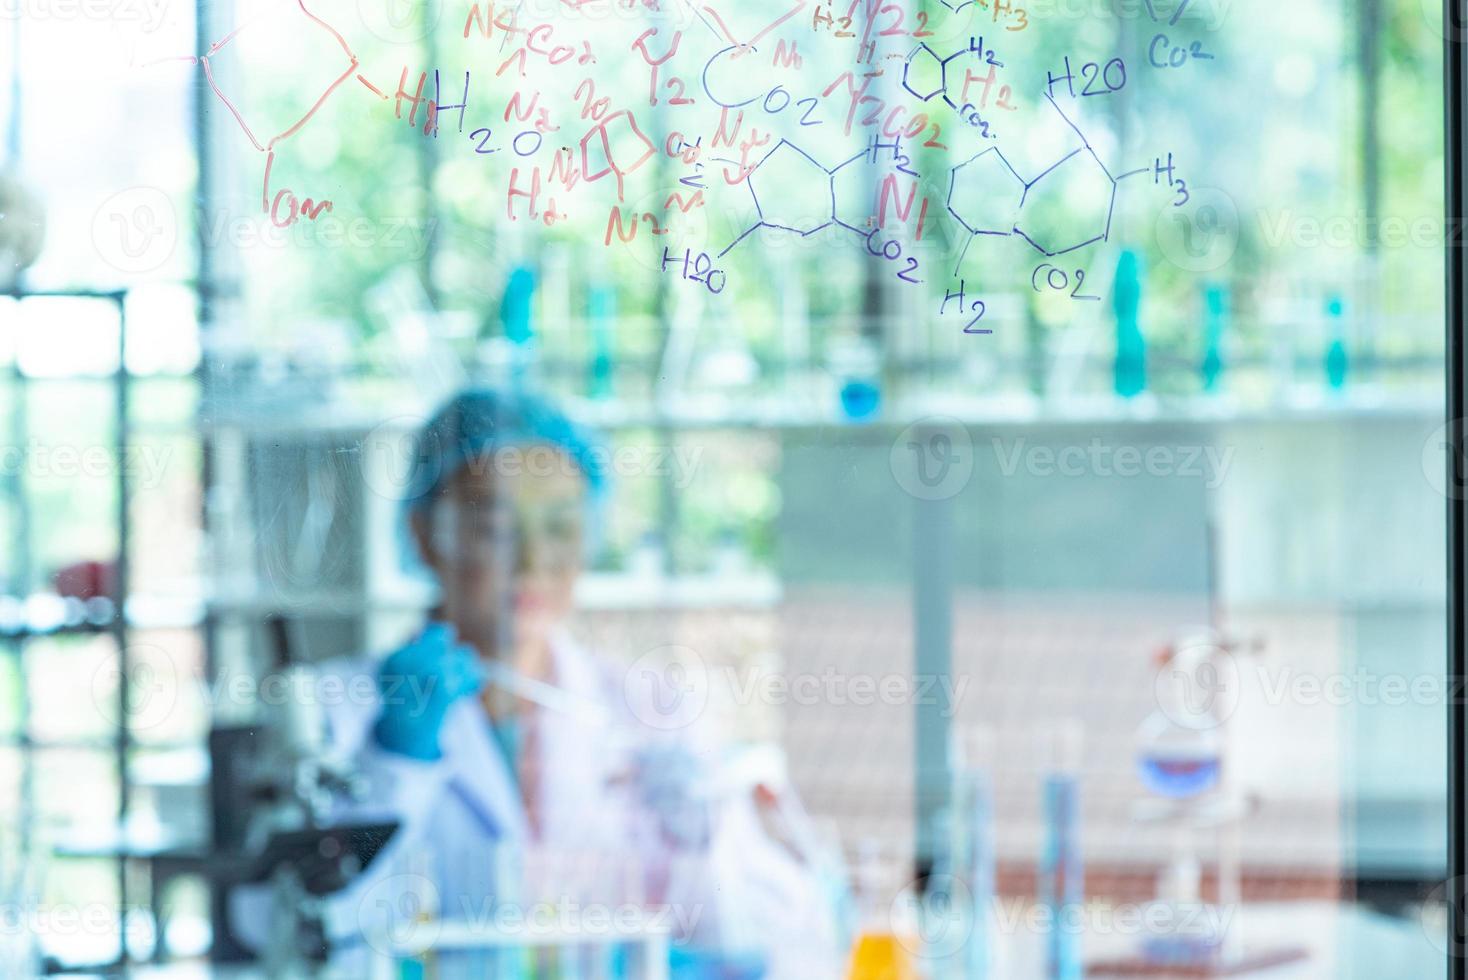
[[22, 230]]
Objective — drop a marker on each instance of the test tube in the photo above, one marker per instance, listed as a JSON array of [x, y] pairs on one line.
[[975, 799], [1061, 877]]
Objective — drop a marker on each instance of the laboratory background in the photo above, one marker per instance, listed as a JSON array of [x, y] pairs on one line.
[[983, 465]]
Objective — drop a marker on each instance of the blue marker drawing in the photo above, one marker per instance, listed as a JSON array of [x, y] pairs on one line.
[[782, 200], [923, 52], [1000, 210]]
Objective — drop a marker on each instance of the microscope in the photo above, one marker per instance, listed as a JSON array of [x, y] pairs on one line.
[[287, 781]]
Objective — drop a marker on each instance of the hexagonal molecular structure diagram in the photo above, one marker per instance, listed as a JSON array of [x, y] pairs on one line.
[[285, 33], [791, 191], [985, 194], [922, 73], [1068, 206], [960, 71]]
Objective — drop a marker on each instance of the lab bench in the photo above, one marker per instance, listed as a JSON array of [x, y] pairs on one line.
[[1339, 940]]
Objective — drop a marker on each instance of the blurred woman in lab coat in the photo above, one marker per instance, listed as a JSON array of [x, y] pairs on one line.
[[494, 731]]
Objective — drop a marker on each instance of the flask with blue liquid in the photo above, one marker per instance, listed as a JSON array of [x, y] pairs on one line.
[[1180, 759], [1180, 744]]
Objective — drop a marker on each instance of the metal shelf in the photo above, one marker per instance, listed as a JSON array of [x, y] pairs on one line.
[[14, 488]]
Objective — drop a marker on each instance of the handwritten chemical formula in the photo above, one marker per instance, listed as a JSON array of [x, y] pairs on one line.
[[939, 141]]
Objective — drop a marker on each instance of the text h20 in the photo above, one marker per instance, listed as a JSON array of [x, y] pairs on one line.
[[698, 268], [1095, 78]]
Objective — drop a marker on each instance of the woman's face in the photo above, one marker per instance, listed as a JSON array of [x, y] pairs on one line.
[[505, 542]]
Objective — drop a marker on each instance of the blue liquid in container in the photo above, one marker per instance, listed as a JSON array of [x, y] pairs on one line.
[[1179, 776], [1062, 886], [860, 399]]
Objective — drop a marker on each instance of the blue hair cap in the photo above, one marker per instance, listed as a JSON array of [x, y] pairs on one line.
[[480, 421]]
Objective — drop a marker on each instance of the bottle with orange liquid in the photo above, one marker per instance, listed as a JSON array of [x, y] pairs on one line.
[[886, 939]]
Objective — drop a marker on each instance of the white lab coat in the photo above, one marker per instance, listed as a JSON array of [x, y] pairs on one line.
[[737, 890]]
